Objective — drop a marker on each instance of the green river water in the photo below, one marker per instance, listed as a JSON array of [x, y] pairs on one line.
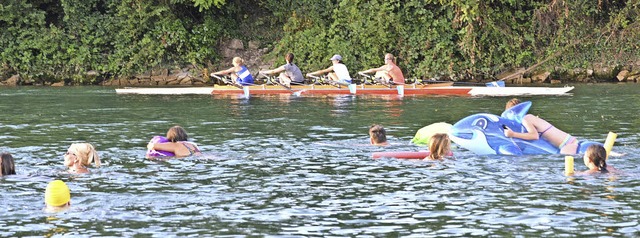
[[292, 166]]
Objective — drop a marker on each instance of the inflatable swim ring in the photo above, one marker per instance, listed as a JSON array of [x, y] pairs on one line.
[[404, 154], [159, 153]]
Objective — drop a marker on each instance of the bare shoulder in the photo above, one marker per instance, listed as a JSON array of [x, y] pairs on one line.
[[534, 119]]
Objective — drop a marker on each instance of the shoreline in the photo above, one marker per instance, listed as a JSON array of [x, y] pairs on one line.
[[193, 76]]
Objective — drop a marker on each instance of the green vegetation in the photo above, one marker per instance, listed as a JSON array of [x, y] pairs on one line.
[[55, 40]]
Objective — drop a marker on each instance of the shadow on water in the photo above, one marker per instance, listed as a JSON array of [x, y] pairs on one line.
[[300, 166]]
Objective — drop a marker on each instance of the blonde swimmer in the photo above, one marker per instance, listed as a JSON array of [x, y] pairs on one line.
[[439, 147], [79, 156]]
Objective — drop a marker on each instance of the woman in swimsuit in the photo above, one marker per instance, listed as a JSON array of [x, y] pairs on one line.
[[178, 143], [539, 128]]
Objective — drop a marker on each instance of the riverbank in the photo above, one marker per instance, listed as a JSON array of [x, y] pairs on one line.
[[191, 76], [255, 59]]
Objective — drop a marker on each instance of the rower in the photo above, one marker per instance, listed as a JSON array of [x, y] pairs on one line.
[[338, 72], [290, 74], [387, 74], [239, 73]]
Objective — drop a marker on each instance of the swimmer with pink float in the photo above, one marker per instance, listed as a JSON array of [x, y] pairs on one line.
[[175, 144]]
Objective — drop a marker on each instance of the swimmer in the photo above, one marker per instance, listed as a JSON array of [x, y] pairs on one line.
[[177, 144], [57, 196], [7, 165], [378, 135], [595, 159], [439, 147], [539, 128], [79, 156]]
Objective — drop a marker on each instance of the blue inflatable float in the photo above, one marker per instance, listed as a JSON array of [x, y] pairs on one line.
[[483, 134]]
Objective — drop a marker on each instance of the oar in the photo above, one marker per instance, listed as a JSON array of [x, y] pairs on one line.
[[399, 87], [351, 87], [374, 80], [245, 89], [331, 82], [297, 93], [226, 81], [456, 83], [435, 85]]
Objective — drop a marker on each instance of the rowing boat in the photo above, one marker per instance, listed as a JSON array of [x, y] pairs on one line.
[[409, 89], [518, 91]]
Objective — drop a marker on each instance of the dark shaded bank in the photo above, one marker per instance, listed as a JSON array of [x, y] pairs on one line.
[[253, 55], [190, 76], [130, 42]]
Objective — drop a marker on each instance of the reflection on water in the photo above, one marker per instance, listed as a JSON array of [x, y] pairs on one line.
[[291, 165]]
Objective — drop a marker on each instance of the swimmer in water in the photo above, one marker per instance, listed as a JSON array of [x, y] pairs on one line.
[[57, 196], [378, 135], [595, 159]]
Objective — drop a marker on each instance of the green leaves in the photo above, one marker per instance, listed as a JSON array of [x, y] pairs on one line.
[[61, 40]]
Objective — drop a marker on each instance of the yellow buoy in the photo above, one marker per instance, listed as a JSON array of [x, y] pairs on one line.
[[568, 165], [608, 143]]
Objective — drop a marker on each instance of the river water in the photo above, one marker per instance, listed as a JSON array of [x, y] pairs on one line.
[[300, 166]]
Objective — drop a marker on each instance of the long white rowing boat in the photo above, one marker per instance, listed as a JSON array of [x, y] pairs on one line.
[[519, 91], [409, 89]]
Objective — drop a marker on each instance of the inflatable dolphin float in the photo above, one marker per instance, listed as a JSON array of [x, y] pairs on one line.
[[483, 134]]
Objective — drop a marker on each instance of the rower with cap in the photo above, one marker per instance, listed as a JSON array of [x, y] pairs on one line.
[[337, 72]]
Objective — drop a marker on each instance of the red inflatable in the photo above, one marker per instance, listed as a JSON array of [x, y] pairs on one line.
[[403, 154]]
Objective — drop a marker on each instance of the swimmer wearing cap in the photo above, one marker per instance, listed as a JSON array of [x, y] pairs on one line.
[[57, 197]]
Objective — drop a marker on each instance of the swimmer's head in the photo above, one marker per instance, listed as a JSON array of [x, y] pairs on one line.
[[57, 194], [177, 133], [7, 165], [512, 103], [377, 134], [439, 146], [85, 153], [596, 156]]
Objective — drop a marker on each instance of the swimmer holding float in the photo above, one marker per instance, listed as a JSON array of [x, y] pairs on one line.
[[595, 158]]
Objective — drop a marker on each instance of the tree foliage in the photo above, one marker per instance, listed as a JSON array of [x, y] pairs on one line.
[[63, 39], [457, 38]]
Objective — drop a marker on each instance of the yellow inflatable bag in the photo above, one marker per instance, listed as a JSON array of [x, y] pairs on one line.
[[424, 134]]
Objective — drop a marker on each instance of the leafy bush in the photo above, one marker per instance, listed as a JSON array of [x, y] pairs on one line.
[[46, 40]]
